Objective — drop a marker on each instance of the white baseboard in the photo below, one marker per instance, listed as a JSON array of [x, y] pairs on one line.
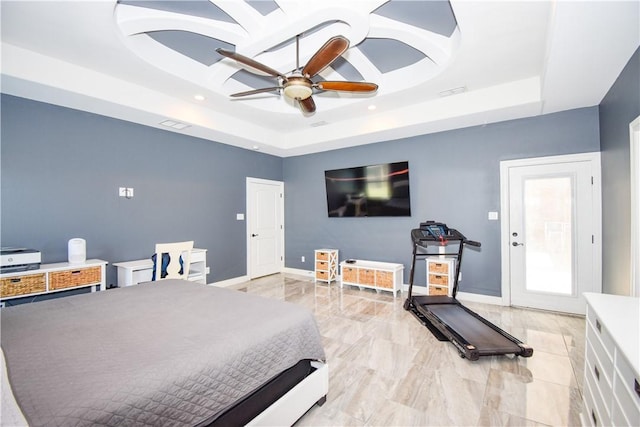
[[417, 290], [298, 272], [484, 299], [230, 282]]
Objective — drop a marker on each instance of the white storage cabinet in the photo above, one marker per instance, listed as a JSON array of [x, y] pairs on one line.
[[611, 389], [61, 276], [440, 275], [326, 265]]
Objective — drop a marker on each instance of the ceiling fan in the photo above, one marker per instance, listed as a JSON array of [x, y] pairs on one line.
[[298, 85]]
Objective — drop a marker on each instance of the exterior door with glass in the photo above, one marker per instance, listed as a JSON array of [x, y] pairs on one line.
[[552, 238]]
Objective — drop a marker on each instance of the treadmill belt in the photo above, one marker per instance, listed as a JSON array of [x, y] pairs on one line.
[[473, 330]]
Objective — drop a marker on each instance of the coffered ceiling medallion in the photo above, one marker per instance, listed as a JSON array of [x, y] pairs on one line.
[[397, 44]]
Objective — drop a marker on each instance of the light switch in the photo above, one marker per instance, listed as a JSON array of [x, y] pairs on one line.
[[240, 217], [493, 216]]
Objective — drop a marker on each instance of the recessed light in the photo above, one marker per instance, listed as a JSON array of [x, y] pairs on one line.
[[371, 107], [199, 97]]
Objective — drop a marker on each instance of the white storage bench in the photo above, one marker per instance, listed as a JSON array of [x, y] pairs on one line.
[[381, 276]]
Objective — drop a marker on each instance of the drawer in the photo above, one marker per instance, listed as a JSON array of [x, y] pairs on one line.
[[322, 256], [438, 290], [592, 407], [72, 278], [439, 267], [322, 265], [350, 274], [367, 277], [601, 332], [626, 402], [22, 285], [438, 279], [384, 279], [322, 275], [596, 373], [598, 399], [630, 380], [594, 345]]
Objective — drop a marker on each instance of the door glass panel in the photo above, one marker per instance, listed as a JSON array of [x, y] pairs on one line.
[[549, 223]]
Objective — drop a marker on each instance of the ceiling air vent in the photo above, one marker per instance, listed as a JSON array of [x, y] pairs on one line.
[[317, 124]]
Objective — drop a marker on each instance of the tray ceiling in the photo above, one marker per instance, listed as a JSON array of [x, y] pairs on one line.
[[439, 65]]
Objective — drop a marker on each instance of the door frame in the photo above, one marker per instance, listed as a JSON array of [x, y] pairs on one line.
[[505, 166], [634, 154], [249, 214]]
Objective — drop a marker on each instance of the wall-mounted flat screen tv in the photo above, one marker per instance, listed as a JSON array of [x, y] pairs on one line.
[[375, 190]]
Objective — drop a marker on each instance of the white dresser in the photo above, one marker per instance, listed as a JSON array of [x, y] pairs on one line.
[[612, 361]]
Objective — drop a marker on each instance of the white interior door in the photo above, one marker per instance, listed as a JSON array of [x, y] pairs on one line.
[[552, 233], [265, 227]]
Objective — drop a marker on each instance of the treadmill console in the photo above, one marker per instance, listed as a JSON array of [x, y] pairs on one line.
[[437, 230]]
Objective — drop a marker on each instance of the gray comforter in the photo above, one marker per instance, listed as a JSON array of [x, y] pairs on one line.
[[163, 353]]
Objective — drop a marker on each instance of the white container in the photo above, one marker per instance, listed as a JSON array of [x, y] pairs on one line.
[[77, 251]]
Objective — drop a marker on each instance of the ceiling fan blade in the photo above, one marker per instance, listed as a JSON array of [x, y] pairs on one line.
[[251, 63], [347, 86], [328, 53], [255, 91], [307, 105]]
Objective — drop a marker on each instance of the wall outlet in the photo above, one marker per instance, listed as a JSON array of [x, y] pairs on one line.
[[125, 192], [302, 258]]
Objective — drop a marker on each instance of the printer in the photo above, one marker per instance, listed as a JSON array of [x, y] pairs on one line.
[[19, 259]]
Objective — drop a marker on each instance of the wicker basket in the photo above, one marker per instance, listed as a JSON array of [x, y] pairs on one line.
[[366, 277], [72, 278], [437, 279], [439, 267], [438, 290], [22, 285], [323, 256], [384, 279]]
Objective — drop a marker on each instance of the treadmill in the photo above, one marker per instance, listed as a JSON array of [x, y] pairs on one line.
[[446, 318]]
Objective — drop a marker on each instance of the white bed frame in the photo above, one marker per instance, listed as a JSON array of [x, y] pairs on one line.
[[297, 401], [285, 411]]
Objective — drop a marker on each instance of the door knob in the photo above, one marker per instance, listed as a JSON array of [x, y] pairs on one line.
[[517, 244], [254, 235]]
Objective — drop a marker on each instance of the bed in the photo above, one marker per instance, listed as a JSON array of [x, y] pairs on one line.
[[171, 353]]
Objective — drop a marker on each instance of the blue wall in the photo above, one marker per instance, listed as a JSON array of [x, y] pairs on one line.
[[619, 107], [61, 170], [454, 178]]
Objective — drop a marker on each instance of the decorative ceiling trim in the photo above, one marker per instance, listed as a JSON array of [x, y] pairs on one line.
[[374, 54]]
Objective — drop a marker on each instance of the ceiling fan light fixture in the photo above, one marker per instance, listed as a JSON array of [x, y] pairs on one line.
[[298, 87]]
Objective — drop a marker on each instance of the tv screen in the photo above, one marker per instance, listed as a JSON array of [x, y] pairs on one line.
[[375, 190]]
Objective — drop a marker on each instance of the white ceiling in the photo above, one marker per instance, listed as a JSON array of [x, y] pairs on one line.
[[513, 58]]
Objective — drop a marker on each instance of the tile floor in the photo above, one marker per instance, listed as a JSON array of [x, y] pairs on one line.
[[386, 369]]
